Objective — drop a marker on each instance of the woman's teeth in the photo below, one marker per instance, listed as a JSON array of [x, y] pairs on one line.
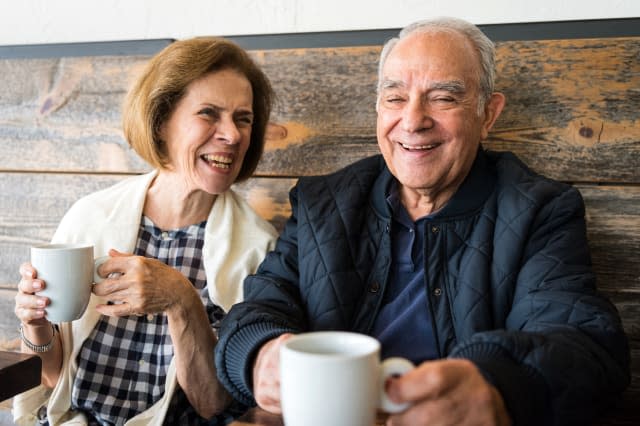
[[219, 161]]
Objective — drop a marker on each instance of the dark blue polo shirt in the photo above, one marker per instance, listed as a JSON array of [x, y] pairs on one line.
[[403, 325]]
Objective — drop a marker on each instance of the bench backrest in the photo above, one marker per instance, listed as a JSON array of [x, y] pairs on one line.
[[573, 113]]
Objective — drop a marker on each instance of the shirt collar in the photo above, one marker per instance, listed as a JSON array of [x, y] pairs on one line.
[[398, 211]]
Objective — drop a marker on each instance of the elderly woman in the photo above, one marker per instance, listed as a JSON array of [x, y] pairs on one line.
[[180, 243]]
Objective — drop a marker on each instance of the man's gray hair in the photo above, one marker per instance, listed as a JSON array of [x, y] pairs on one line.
[[484, 47]]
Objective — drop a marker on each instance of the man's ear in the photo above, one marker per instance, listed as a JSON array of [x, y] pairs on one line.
[[492, 109]]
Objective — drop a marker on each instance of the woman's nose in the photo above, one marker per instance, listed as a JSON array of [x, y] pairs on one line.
[[228, 131]]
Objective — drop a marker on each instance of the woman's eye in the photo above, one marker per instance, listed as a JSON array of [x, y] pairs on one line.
[[248, 121], [209, 112]]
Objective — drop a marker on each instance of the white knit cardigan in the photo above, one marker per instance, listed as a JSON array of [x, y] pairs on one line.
[[236, 241]]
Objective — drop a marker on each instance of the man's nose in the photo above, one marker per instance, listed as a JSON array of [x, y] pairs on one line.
[[416, 117]]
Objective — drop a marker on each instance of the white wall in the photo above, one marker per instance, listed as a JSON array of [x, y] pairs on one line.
[[63, 21]]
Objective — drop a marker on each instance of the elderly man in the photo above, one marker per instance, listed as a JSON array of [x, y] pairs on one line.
[[462, 260]]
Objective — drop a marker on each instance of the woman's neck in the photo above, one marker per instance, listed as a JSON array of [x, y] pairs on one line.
[[171, 204]]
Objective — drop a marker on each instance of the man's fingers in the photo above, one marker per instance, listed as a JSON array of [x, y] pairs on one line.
[[435, 413], [430, 380], [450, 391], [266, 375], [269, 401]]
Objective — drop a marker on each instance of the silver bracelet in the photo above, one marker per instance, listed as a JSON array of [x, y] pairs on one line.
[[38, 348]]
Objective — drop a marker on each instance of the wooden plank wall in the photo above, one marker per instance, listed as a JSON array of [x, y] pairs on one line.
[[573, 113]]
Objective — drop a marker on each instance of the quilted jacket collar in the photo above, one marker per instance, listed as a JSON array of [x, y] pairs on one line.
[[471, 195]]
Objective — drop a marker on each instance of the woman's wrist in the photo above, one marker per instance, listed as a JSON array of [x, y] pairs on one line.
[[186, 299], [38, 339], [185, 307]]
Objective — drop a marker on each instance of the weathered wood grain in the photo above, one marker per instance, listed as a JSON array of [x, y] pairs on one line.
[[9, 337], [573, 113], [34, 203], [613, 228], [63, 114], [572, 103], [32, 206], [572, 110]]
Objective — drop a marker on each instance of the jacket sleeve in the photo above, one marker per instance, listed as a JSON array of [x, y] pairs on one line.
[[270, 308], [563, 355]]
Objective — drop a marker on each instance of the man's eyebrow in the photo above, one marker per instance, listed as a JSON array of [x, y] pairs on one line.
[[391, 84], [453, 86]]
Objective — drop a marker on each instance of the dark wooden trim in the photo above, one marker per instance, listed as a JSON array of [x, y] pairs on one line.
[[100, 48], [595, 28]]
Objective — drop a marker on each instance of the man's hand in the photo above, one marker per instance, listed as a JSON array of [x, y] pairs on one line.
[[447, 392], [266, 375]]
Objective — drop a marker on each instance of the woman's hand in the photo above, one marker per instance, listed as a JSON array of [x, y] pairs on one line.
[[140, 285], [30, 307]]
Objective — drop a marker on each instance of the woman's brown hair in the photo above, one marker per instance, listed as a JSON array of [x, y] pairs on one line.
[[164, 81]]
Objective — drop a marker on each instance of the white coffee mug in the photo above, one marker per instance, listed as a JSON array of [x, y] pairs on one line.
[[335, 378], [68, 270]]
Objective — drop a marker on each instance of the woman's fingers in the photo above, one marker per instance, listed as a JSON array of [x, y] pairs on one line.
[[27, 271], [30, 307]]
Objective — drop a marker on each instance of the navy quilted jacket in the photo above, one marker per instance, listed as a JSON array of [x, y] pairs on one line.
[[508, 277]]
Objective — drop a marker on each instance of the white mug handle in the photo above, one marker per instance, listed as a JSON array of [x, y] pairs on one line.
[[392, 367]]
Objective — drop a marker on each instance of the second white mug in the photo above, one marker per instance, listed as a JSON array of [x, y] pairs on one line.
[[335, 378]]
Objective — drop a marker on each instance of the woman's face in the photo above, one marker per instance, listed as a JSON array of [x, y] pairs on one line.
[[208, 133]]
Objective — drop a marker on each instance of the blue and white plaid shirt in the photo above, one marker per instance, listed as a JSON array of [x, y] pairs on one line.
[[123, 364]]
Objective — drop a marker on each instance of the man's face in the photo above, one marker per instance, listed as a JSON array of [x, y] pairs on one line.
[[428, 126]]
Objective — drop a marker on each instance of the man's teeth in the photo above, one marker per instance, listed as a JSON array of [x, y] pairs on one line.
[[218, 160], [419, 147]]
